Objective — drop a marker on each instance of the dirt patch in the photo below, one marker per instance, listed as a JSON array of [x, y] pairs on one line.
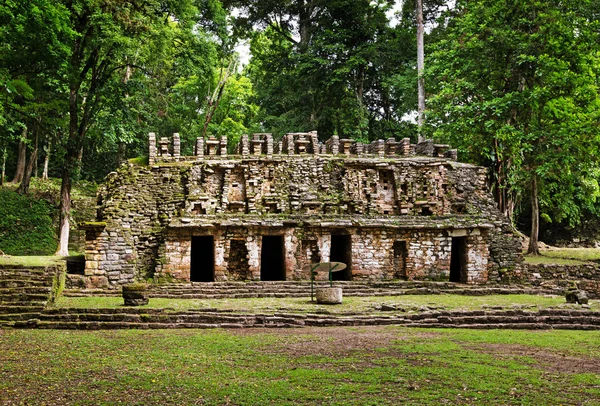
[[332, 341], [546, 359]]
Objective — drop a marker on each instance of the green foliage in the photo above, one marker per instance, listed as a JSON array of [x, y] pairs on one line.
[[516, 89], [25, 225], [327, 67]]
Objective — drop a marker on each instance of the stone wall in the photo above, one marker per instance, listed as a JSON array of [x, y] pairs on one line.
[[585, 277], [401, 212]]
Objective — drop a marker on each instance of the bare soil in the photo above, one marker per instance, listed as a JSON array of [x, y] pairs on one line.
[[550, 361]]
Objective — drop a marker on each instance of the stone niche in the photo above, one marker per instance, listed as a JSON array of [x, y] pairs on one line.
[[280, 205]]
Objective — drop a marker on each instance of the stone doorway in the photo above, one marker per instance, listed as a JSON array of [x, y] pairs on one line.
[[239, 269], [272, 266], [400, 254], [341, 251], [458, 260], [202, 264]]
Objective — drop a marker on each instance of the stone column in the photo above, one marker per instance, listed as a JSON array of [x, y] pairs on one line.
[[253, 248], [314, 142], [290, 143], [223, 146], [176, 146], [405, 147], [151, 148], [290, 244], [269, 145], [333, 145], [244, 146], [200, 147], [220, 263]]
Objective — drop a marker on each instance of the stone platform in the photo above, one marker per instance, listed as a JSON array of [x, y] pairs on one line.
[[236, 290], [25, 296], [96, 319]]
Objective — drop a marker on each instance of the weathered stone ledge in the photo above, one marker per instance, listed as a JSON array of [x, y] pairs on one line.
[[215, 290], [94, 319]]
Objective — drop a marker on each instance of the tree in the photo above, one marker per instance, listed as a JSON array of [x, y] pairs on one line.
[[420, 63], [107, 34], [517, 90], [31, 54], [323, 65]]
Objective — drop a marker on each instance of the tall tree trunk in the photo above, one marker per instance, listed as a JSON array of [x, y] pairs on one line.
[[420, 66], [534, 248], [121, 152], [35, 147], [71, 159], [21, 158], [65, 210], [46, 160], [213, 101], [24, 186], [3, 167]]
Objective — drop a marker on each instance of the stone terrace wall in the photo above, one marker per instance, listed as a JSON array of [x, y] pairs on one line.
[[586, 277]]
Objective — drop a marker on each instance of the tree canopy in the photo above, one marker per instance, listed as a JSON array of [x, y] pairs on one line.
[[514, 86]]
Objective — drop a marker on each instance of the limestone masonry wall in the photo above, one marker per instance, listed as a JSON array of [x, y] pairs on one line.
[[384, 211]]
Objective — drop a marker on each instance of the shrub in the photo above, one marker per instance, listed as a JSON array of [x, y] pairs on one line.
[[25, 225]]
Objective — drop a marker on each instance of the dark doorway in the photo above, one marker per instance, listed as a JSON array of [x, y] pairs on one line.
[[341, 251], [458, 260], [400, 254], [271, 259], [202, 267]]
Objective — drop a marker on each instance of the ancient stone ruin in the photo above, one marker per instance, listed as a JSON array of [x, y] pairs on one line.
[[389, 210]]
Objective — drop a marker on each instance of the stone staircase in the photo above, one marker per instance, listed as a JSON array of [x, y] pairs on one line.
[[135, 318], [220, 290], [26, 291]]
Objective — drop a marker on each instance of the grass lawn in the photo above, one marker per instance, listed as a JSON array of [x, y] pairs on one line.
[[328, 366], [407, 303], [564, 256], [32, 260]]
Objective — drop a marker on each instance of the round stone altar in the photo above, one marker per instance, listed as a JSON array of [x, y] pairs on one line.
[[329, 295]]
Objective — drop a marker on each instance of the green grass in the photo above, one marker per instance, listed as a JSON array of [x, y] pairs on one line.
[[582, 254], [326, 366], [565, 256], [543, 259], [358, 305], [31, 260], [140, 161]]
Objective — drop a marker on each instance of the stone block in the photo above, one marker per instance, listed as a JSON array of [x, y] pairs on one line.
[[328, 295]]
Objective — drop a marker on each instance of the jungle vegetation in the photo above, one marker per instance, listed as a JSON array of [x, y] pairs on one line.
[[513, 85]]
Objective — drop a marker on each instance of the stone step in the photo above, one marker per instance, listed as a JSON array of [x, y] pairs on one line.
[[301, 289], [134, 318], [17, 282], [33, 290], [21, 316], [29, 298], [25, 275], [19, 308]]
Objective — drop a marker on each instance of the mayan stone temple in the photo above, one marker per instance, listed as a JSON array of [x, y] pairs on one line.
[[389, 210]]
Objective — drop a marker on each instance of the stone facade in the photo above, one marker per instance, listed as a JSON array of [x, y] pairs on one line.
[[275, 207]]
